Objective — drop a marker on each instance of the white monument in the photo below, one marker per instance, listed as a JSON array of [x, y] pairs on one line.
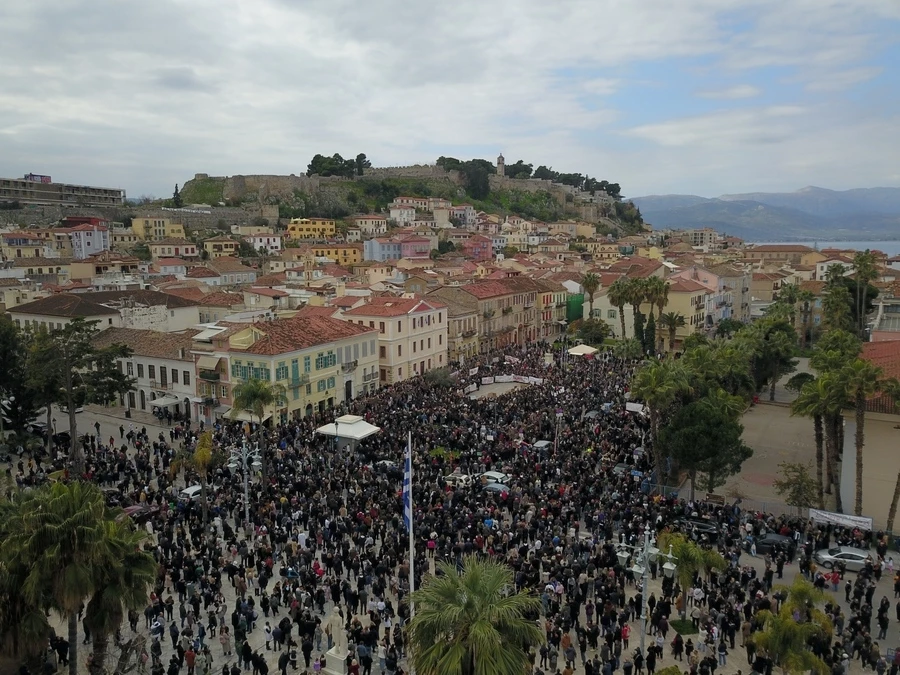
[[336, 657]]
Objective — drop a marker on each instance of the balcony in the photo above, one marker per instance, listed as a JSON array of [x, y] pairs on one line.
[[368, 377], [298, 380], [210, 375], [349, 367], [163, 386], [507, 310], [209, 401], [468, 333]]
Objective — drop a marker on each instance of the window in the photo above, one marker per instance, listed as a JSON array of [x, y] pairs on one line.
[[399, 350], [429, 343], [331, 383], [129, 368], [224, 392], [400, 373], [174, 376], [186, 377], [611, 314], [308, 389], [440, 339], [382, 352], [306, 364], [372, 346], [399, 327], [381, 327], [281, 372], [320, 385], [414, 346], [151, 372]]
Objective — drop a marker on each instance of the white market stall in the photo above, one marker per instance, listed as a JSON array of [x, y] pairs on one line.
[[582, 350]]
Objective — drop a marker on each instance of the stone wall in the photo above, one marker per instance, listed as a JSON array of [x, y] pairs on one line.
[[414, 171], [532, 185]]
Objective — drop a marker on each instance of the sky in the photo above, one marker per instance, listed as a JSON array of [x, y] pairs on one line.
[[696, 96]]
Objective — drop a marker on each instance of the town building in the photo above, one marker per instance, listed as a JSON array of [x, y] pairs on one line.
[[173, 248], [87, 238], [231, 271], [311, 228], [412, 334], [264, 242], [161, 364], [39, 190], [22, 244], [776, 253], [155, 229], [372, 225], [342, 254], [403, 214], [217, 247]]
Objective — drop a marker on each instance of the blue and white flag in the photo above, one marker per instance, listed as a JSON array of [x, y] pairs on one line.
[[407, 486]]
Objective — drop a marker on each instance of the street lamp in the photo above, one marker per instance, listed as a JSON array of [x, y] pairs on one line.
[[244, 454], [644, 555]]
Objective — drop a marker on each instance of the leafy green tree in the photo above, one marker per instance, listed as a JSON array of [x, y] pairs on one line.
[[797, 486], [705, 437], [176, 198], [593, 331], [618, 296], [690, 559], [20, 406], [509, 251], [439, 377], [659, 384], [197, 461], [256, 397], [650, 335], [446, 246], [477, 181], [861, 380], [331, 166], [472, 622], [66, 363], [519, 170], [728, 327], [362, 164], [544, 173], [590, 282]]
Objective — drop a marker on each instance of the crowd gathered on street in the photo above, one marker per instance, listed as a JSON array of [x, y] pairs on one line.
[[326, 531]]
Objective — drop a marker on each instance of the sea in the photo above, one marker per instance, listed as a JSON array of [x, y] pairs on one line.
[[892, 248]]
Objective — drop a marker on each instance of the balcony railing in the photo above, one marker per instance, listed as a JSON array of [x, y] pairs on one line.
[[154, 384], [210, 401], [349, 366], [468, 333], [368, 377], [298, 380], [210, 375]]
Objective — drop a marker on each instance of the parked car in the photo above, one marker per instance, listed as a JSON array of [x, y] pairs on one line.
[[458, 480], [191, 493], [494, 477], [702, 525], [854, 559], [496, 487], [770, 541]]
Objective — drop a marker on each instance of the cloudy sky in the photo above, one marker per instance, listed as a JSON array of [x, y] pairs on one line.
[[693, 96]]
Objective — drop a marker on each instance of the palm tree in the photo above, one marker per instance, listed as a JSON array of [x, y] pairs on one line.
[[198, 461], [789, 296], [864, 270], [471, 622], [691, 559], [123, 577], [61, 531], [861, 380], [637, 295], [812, 402], [805, 298], [785, 639], [832, 394], [658, 384], [628, 350], [255, 396], [836, 307], [590, 282], [618, 296], [671, 321], [892, 389]]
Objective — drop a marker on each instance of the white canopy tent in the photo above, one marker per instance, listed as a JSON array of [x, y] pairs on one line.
[[165, 401], [582, 350], [349, 427], [247, 416]]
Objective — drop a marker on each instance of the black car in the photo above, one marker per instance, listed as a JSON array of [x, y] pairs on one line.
[[770, 542], [700, 525]]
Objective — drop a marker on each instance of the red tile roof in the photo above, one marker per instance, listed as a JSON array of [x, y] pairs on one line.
[[780, 248], [201, 273], [221, 299], [394, 306], [278, 279], [302, 332], [171, 262], [268, 292], [685, 286]]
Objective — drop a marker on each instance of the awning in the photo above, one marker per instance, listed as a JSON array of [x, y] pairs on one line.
[[222, 410], [165, 401], [350, 427], [582, 350], [195, 399], [208, 362], [245, 416]]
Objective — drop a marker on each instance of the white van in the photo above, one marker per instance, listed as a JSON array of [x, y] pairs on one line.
[[190, 494]]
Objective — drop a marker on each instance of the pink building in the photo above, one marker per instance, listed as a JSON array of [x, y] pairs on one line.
[[415, 247], [478, 248]]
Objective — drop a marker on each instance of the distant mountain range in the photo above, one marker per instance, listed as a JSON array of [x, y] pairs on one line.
[[810, 213]]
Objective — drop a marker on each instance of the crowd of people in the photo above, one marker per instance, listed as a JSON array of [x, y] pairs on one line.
[[326, 531]]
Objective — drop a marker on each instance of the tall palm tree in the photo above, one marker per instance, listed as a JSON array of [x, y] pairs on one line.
[[861, 379], [812, 402], [836, 307], [618, 297], [864, 271], [628, 350], [199, 460], [832, 394], [658, 384], [691, 559], [61, 531], [255, 396], [122, 579], [637, 295], [471, 622], [806, 299], [671, 321], [590, 282], [892, 389], [789, 296]]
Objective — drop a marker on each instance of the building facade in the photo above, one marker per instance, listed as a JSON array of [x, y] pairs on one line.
[[42, 191], [311, 228], [155, 229]]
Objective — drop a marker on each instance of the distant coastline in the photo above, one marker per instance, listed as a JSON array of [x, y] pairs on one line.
[[889, 246]]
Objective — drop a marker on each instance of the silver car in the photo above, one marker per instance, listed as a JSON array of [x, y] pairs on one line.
[[853, 558]]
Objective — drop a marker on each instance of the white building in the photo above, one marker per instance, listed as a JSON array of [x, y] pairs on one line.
[[162, 365], [87, 239], [372, 225], [412, 334], [267, 242], [403, 213]]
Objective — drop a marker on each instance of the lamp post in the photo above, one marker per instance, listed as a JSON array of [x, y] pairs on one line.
[[242, 455], [644, 555]]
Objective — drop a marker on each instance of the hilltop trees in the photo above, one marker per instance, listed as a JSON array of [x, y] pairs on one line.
[[337, 166]]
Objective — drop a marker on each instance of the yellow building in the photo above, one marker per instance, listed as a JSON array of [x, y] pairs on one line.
[[218, 247], [310, 228], [154, 229], [602, 250], [688, 298], [342, 254], [23, 245]]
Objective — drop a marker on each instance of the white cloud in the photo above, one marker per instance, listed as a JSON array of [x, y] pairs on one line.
[[142, 95], [841, 79], [738, 91]]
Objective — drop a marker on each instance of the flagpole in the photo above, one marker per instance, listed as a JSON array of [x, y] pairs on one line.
[[412, 543]]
